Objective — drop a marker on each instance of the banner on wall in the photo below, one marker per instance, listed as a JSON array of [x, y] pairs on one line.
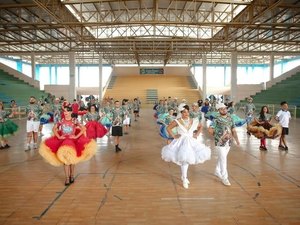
[[151, 71]]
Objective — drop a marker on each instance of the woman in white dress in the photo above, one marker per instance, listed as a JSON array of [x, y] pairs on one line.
[[185, 149]]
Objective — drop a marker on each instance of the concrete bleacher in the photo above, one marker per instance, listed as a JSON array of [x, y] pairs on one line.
[[14, 88], [286, 90], [165, 86]]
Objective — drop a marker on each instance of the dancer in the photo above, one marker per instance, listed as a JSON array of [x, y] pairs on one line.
[[7, 127], [127, 115], [68, 146], [185, 149], [237, 120], [195, 113], [106, 116], [164, 120], [223, 130], [94, 128], [34, 112], [284, 117], [117, 118], [136, 108], [262, 128], [57, 110], [249, 111]]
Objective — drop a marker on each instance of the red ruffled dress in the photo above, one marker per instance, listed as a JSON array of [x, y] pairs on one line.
[[67, 151], [94, 129]]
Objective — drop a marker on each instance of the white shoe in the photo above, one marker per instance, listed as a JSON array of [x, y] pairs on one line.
[[185, 180], [35, 146], [226, 182], [27, 148], [185, 183]]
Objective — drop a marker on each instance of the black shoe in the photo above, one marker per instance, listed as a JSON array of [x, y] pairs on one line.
[[286, 148], [118, 149], [1, 147], [263, 148], [248, 133], [6, 146], [281, 147], [71, 179], [67, 182]]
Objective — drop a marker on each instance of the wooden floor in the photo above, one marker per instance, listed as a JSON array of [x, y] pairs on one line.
[[136, 187]]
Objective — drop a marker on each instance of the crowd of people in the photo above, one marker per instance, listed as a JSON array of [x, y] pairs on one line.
[[77, 125]]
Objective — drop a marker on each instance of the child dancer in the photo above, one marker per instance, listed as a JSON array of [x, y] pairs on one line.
[[164, 120], [7, 127], [284, 117], [262, 128], [68, 146], [117, 129], [94, 128], [185, 149]]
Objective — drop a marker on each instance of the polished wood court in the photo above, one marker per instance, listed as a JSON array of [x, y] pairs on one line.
[[136, 187]]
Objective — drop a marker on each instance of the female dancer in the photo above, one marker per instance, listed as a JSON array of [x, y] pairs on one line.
[[68, 146], [164, 120], [261, 127], [7, 127], [185, 149], [94, 129], [106, 116]]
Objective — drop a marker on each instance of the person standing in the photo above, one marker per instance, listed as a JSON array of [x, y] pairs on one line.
[[7, 127], [223, 130], [185, 149], [262, 128], [75, 108], [57, 110], [136, 108], [94, 129], [284, 117], [117, 121], [33, 112], [249, 111], [68, 145]]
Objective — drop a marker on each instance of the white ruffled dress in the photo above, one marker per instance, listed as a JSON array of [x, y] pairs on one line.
[[186, 149]]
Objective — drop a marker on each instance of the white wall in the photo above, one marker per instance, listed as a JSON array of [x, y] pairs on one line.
[[58, 90]]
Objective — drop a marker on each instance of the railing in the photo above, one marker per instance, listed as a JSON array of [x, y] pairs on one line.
[[17, 112], [240, 107]]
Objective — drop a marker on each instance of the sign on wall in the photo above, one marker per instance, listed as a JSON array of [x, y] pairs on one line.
[[144, 71]]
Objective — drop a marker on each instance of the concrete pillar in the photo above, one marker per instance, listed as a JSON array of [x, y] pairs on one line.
[[233, 88], [271, 78], [33, 75], [100, 79], [72, 67], [204, 80]]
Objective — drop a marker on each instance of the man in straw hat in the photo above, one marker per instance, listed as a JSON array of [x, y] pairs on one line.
[[223, 130]]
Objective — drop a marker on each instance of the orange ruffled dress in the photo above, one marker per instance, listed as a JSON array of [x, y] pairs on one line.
[[67, 151]]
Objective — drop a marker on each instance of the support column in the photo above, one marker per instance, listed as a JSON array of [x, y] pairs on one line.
[[271, 78], [78, 75], [233, 88], [204, 80], [72, 67], [100, 79], [33, 75]]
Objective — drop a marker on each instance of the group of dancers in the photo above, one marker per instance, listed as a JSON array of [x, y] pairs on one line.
[[181, 127], [76, 129]]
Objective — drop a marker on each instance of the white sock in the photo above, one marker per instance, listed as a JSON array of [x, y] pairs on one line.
[[184, 169]]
